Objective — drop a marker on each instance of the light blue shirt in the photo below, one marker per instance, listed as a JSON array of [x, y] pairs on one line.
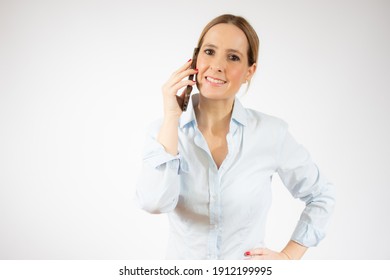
[[221, 213]]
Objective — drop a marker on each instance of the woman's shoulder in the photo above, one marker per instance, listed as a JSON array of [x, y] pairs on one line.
[[258, 118]]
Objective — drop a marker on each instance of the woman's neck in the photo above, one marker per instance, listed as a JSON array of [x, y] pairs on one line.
[[214, 116]]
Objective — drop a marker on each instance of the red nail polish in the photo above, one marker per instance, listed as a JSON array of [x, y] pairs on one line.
[[196, 69], [247, 253], [189, 60]]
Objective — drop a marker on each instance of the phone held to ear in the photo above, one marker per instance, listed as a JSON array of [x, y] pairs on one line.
[[188, 89]]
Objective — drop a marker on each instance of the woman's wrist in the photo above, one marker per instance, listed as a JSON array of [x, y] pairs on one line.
[[286, 254], [171, 118], [294, 250]]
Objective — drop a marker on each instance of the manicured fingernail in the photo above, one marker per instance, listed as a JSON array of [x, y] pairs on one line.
[[196, 69], [247, 253], [189, 60]]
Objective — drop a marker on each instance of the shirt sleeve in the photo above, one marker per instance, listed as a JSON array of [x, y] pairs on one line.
[[304, 180], [157, 189]]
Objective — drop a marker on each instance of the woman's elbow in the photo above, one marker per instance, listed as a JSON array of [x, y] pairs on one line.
[[156, 206]]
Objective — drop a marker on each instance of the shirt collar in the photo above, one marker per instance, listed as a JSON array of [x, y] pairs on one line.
[[239, 113]]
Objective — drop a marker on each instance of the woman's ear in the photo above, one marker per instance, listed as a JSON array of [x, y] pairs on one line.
[[251, 71]]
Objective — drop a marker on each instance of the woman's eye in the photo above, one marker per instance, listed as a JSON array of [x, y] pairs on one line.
[[234, 57], [209, 52]]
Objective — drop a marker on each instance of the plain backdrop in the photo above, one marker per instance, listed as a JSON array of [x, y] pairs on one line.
[[81, 80]]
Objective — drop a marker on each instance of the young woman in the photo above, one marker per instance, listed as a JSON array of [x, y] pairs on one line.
[[210, 168]]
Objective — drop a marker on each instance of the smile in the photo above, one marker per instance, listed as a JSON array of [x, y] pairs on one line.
[[215, 81]]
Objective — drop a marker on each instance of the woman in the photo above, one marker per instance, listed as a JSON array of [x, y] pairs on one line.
[[210, 167]]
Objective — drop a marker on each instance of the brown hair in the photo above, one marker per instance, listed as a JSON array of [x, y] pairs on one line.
[[243, 24]]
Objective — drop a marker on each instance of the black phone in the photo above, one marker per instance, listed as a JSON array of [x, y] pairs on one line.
[[187, 91]]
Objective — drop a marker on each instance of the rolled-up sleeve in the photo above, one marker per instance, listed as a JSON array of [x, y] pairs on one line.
[[158, 188], [304, 180]]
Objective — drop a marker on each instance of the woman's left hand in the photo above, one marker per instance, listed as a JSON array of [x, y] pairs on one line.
[[265, 254]]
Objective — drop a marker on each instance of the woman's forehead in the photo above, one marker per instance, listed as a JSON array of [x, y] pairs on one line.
[[226, 36]]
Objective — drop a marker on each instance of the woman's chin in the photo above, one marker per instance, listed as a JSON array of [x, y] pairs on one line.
[[215, 95]]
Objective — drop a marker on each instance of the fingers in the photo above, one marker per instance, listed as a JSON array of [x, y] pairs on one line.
[[264, 254], [178, 77], [182, 72], [185, 66], [257, 251], [182, 84], [171, 91], [173, 102], [257, 257], [257, 254]]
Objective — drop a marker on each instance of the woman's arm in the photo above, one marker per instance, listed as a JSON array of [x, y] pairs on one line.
[[303, 179], [158, 185], [157, 188], [168, 135]]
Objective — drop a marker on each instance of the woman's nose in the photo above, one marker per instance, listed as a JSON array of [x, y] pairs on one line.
[[216, 68], [217, 64]]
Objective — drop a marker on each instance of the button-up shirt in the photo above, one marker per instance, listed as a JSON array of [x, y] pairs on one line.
[[219, 213]]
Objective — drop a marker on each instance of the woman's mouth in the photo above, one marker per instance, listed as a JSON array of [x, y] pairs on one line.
[[215, 80]]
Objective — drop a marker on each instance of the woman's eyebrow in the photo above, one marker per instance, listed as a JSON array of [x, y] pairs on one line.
[[234, 51], [228, 50], [211, 46]]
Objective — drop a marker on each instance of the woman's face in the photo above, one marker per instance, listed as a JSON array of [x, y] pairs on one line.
[[223, 62]]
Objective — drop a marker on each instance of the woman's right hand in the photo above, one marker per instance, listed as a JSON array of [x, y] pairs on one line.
[[173, 102]]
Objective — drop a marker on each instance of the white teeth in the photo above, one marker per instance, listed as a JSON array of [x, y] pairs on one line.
[[215, 81]]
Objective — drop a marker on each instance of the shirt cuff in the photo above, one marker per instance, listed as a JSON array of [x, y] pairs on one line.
[[307, 235], [157, 158]]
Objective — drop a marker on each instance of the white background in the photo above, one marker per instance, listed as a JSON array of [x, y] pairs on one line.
[[80, 81]]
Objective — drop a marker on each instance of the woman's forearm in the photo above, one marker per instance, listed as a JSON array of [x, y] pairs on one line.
[[294, 250], [168, 134]]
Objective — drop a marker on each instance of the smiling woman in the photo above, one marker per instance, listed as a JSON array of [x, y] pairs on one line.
[[210, 168], [223, 62]]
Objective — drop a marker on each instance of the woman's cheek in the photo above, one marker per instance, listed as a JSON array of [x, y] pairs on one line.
[[237, 75]]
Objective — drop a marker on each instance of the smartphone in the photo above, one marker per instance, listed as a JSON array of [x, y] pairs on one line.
[[187, 91]]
